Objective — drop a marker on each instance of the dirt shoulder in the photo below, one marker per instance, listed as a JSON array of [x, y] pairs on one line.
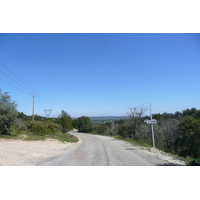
[[29, 153]]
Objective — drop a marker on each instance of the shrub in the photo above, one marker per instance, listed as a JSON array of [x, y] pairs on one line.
[[84, 124], [8, 113], [43, 128], [102, 129], [188, 142], [20, 124], [65, 121], [123, 131]]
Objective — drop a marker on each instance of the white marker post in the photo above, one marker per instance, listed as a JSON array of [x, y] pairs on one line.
[[152, 122], [153, 140]]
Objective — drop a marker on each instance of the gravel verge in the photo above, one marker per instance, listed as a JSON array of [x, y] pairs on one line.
[[29, 153]]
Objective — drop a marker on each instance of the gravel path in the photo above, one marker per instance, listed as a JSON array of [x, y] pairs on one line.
[[29, 153]]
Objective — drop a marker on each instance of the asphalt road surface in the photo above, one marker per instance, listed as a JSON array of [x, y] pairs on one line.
[[96, 150]]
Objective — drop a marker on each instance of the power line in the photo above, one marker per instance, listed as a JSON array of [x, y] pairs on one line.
[[14, 80], [42, 102], [39, 105], [16, 77], [33, 94], [13, 86]]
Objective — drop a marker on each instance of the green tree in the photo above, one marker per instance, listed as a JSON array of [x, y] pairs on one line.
[[190, 112], [8, 113], [101, 129], [24, 117], [75, 123], [188, 143], [84, 124], [123, 131], [65, 121]]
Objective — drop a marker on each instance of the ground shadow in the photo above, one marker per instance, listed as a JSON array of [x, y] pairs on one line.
[[131, 149], [169, 164]]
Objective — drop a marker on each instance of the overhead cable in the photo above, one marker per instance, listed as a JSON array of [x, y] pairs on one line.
[[17, 77]]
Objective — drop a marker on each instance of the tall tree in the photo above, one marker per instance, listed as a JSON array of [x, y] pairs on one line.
[[84, 124], [188, 143], [75, 123], [65, 121], [190, 112], [135, 119], [8, 112]]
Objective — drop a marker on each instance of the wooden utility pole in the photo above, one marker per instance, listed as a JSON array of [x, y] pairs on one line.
[[33, 95]]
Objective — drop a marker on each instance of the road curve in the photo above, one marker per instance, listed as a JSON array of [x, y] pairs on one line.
[[96, 150]]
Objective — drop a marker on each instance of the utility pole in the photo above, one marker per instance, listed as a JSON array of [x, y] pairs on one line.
[[33, 95], [153, 140], [48, 112]]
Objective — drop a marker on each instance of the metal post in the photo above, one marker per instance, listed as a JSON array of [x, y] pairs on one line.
[[153, 140], [47, 112]]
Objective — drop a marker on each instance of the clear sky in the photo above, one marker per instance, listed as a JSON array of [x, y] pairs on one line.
[[101, 74]]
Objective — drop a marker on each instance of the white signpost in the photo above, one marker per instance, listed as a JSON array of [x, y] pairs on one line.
[[151, 122]]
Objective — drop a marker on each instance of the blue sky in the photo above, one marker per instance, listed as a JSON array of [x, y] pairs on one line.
[[101, 74]]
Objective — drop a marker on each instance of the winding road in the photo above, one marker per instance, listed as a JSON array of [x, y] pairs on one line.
[[96, 150]]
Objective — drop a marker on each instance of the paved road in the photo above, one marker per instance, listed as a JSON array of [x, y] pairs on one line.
[[95, 150]]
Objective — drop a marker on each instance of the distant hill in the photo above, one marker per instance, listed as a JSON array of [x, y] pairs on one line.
[[109, 118]]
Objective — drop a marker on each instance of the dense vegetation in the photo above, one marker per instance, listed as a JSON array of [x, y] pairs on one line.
[[14, 124], [8, 112]]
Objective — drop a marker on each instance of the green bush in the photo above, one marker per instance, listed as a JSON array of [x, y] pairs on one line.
[[188, 142], [101, 130], [194, 162], [43, 128], [123, 131], [8, 113], [84, 124], [65, 120]]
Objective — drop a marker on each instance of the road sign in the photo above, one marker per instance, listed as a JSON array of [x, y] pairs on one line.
[[152, 121]]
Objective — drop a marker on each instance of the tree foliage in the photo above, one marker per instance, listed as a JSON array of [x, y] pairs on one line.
[[188, 143], [8, 113], [84, 124], [43, 128], [65, 121], [123, 131], [75, 123]]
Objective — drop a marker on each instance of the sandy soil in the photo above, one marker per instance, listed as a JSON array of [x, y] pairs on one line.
[[29, 153]]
